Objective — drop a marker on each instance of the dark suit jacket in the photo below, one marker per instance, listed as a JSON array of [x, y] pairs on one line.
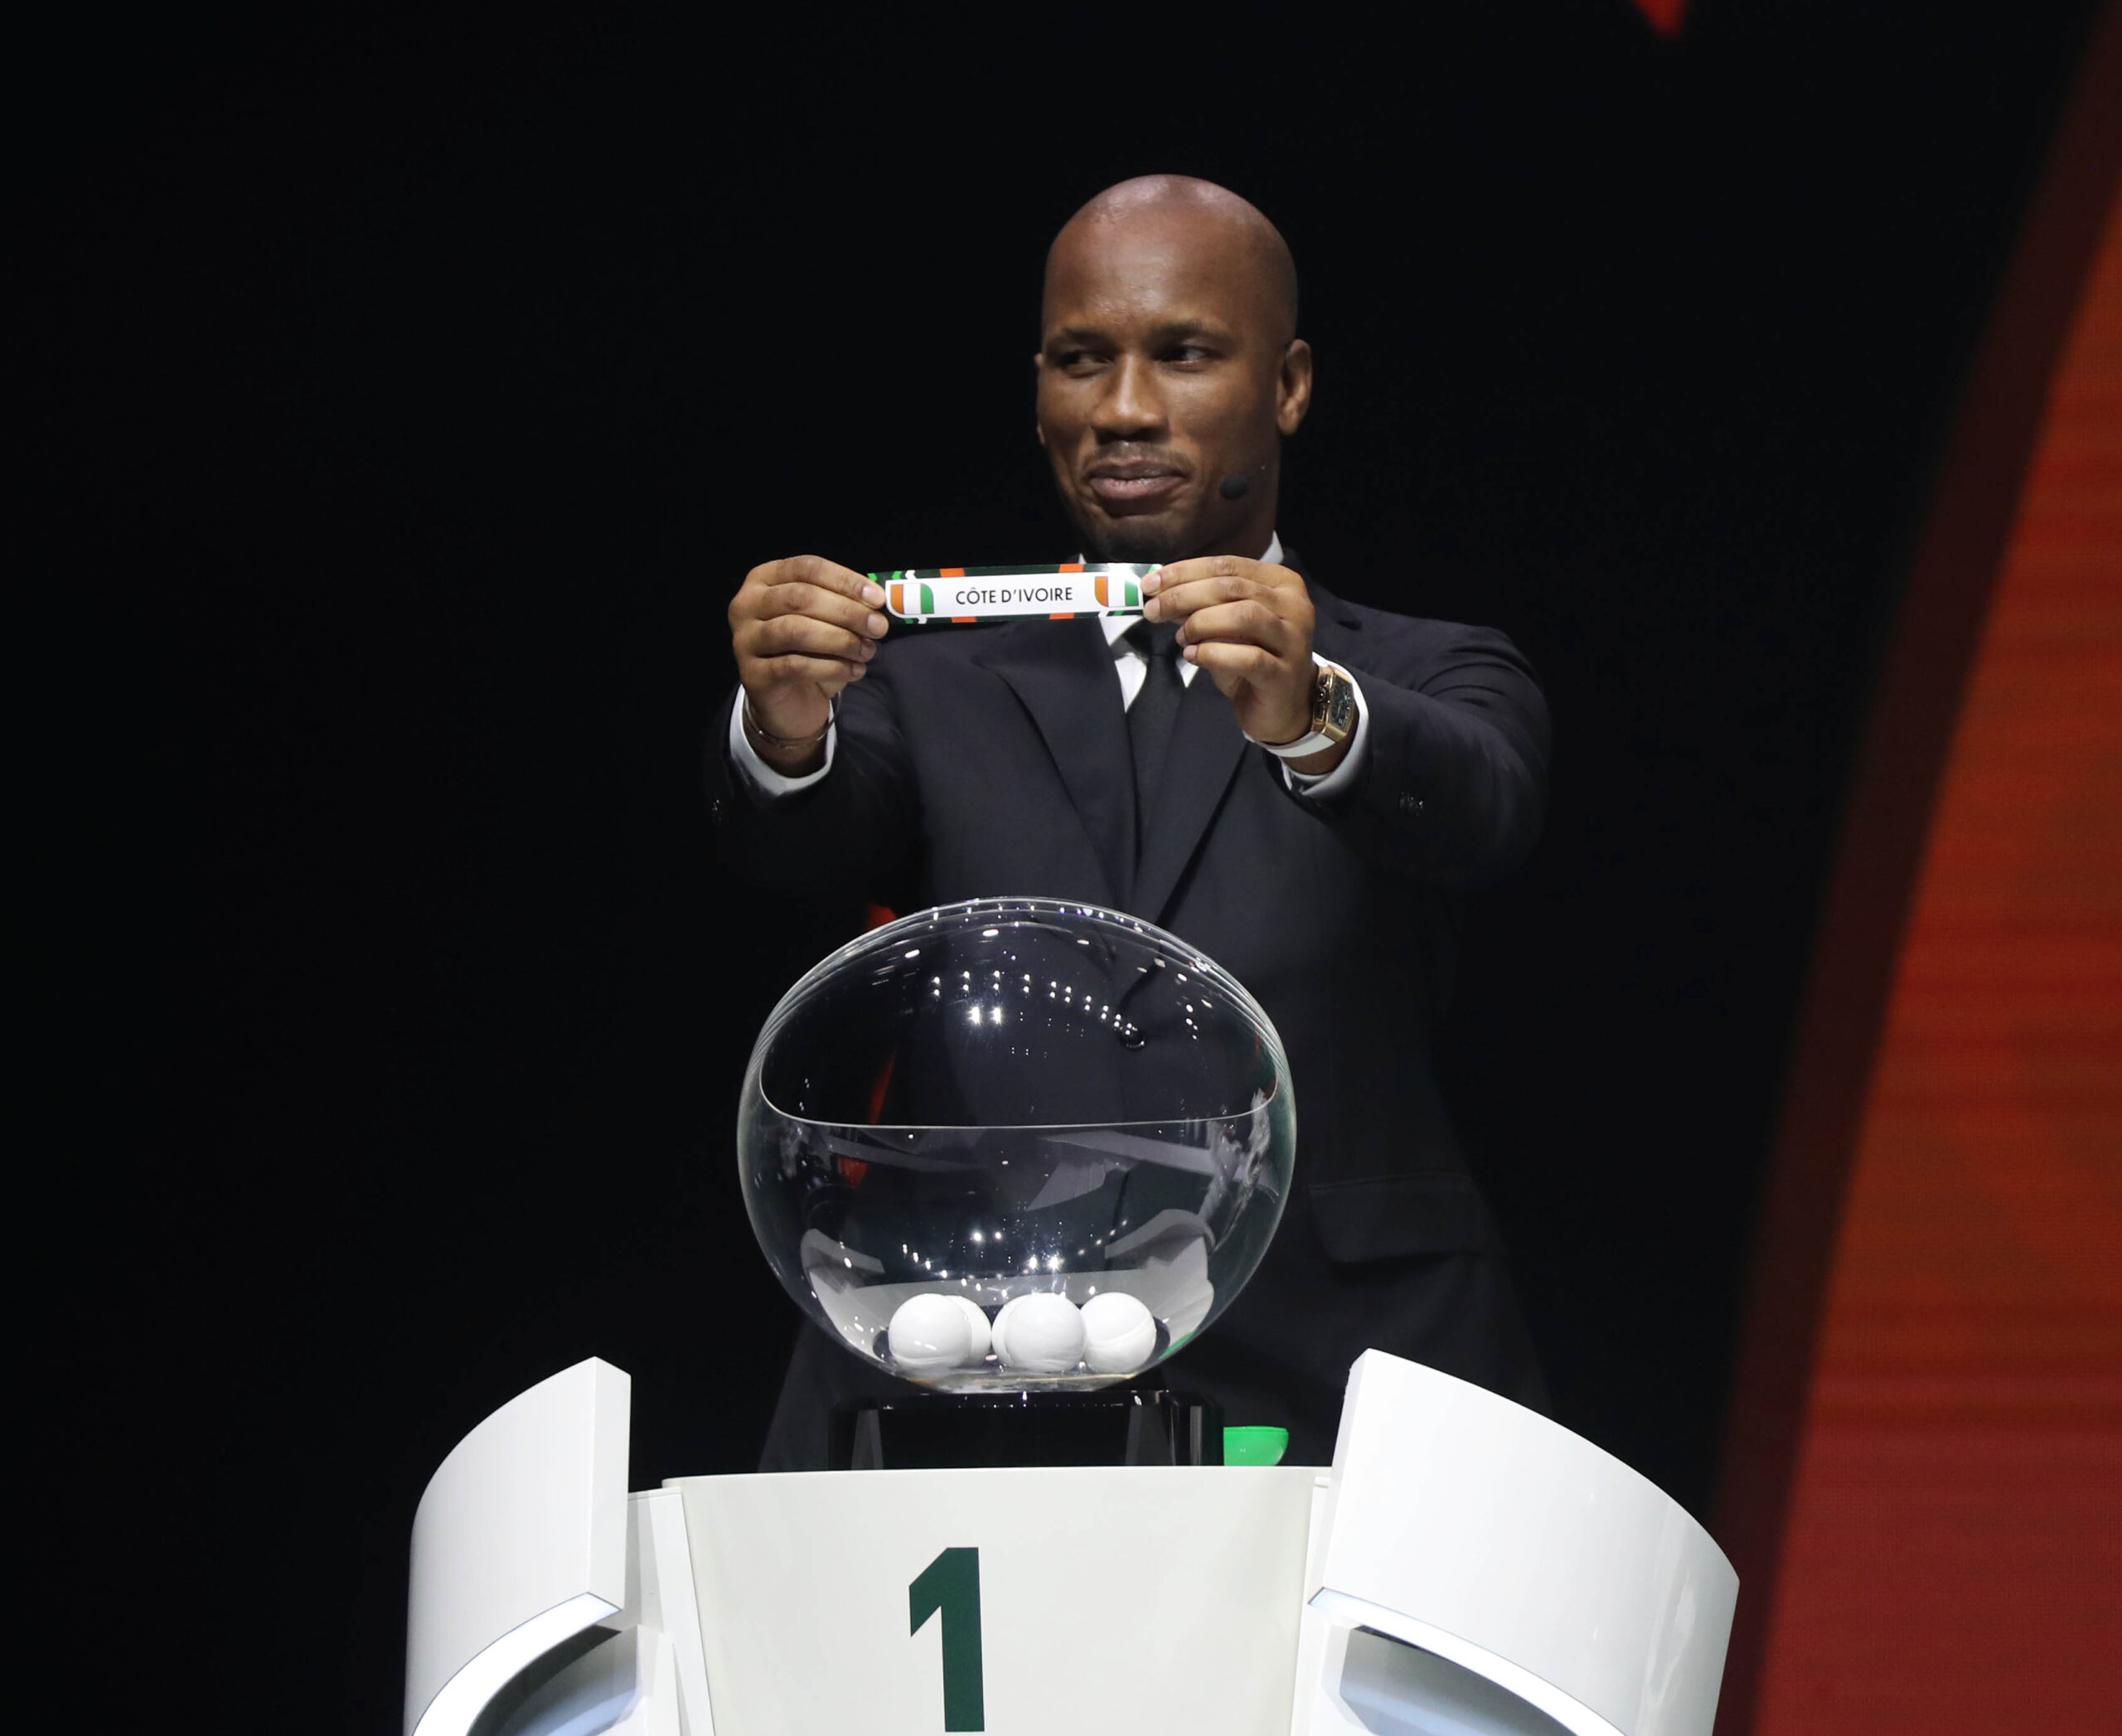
[[998, 757]]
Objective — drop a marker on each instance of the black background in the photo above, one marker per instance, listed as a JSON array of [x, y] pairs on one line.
[[421, 392]]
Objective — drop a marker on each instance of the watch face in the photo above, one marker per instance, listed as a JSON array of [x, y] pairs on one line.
[[1336, 713]]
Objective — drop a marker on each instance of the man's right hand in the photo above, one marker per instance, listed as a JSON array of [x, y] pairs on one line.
[[802, 629]]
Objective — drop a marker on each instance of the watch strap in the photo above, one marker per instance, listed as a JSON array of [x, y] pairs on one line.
[[1303, 748]]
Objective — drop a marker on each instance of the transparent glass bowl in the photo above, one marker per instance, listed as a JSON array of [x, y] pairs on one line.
[[1016, 1104]]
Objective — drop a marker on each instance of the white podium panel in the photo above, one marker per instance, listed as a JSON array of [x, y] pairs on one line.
[[520, 1543], [1475, 1530], [1130, 1601]]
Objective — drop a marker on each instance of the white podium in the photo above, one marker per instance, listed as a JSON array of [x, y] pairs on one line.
[[1465, 1566]]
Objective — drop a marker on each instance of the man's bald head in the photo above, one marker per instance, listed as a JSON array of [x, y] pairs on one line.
[[1169, 361], [1194, 210]]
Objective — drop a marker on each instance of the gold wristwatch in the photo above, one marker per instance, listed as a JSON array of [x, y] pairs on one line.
[[1334, 715]]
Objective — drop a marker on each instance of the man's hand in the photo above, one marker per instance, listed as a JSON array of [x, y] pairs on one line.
[[802, 629], [1249, 625]]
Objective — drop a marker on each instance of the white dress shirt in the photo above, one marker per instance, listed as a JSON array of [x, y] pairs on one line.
[[1133, 669]]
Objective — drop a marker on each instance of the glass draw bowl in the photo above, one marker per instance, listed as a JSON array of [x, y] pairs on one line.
[[1016, 1144]]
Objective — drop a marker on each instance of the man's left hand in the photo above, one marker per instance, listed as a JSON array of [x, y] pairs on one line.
[[1249, 625]]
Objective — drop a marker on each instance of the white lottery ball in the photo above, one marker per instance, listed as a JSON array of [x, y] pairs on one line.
[[975, 1325], [929, 1334], [1041, 1333], [1120, 1333]]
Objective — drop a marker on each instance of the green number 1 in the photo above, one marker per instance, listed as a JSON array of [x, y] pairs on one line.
[[951, 1583]]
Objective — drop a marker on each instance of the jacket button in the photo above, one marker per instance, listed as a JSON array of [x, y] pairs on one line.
[[1410, 805], [714, 807]]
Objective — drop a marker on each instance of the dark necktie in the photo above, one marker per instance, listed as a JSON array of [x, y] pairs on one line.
[[1150, 718]]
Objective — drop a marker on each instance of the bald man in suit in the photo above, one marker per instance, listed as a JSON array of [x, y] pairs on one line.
[[1305, 788]]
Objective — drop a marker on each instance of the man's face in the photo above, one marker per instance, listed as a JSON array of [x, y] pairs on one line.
[[1164, 367]]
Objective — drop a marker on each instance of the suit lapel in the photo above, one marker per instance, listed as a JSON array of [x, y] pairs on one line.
[[1337, 628], [1206, 747], [1061, 674]]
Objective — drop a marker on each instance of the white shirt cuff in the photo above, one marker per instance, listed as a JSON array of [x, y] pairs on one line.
[[761, 776], [1324, 785]]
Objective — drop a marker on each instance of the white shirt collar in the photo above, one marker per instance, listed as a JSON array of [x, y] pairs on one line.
[[1116, 625]]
